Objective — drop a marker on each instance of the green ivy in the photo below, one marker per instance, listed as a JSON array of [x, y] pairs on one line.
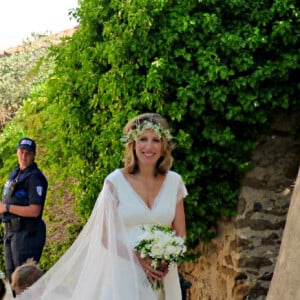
[[217, 70]]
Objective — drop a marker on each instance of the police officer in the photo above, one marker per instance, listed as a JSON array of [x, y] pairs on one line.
[[21, 209]]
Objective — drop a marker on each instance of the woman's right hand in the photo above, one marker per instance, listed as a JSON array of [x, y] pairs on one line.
[[152, 274]]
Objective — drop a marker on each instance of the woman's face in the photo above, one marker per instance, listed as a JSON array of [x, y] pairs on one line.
[[148, 147]]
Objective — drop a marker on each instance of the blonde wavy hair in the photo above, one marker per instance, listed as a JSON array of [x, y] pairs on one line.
[[130, 159]]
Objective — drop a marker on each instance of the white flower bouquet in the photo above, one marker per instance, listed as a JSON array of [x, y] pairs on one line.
[[162, 245]]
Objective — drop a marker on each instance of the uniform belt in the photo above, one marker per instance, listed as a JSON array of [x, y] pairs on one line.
[[13, 224]]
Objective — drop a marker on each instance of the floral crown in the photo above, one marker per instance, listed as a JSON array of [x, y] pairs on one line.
[[133, 134]]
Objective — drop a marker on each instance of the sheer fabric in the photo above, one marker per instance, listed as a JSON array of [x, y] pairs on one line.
[[101, 265]]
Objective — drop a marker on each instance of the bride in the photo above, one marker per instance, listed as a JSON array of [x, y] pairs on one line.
[[102, 263]]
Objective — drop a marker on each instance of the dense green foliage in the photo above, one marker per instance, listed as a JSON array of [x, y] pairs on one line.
[[217, 70]]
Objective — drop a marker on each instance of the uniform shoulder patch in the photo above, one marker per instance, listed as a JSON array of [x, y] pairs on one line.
[[39, 190]]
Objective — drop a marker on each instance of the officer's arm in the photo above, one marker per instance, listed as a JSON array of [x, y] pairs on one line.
[[30, 211]]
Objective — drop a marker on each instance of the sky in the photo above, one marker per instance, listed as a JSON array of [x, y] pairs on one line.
[[20, 18]]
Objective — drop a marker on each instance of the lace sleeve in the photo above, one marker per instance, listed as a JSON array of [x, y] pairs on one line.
[[182, 191]]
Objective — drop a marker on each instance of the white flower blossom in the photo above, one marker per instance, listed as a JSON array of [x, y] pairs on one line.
[[161, 244], [133, 134]]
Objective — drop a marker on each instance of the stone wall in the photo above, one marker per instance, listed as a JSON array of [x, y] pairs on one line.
[[285, 282], [239, 262]]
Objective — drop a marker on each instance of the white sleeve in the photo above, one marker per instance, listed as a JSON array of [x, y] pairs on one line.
[[182, 191]]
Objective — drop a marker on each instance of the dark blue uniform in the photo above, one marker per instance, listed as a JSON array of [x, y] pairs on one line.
[[24, 237]]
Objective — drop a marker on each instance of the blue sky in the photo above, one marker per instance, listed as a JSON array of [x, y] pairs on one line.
[[20, 18]]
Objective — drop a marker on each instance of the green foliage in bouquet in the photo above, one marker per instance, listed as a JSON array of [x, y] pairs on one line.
[[161, 244]]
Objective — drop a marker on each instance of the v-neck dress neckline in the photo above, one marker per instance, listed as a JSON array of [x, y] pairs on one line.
[[140, 199]]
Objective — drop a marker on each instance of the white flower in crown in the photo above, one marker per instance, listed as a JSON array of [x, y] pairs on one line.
[[133, 134]]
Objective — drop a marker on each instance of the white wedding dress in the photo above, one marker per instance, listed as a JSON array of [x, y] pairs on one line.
[[100, 265]]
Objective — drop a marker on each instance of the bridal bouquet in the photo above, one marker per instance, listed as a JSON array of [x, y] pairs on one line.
[[162, 245]]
